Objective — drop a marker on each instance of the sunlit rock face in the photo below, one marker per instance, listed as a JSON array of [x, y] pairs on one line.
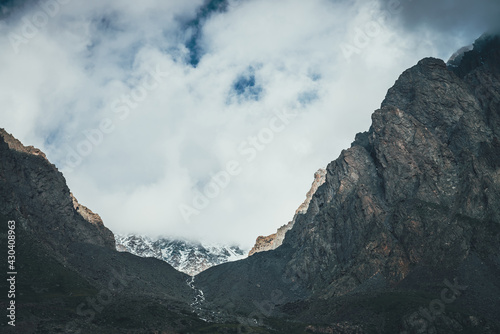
[[273, 241]]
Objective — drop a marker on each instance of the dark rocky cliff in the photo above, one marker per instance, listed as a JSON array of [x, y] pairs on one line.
[[70, 277], [35, 192], [413, 202]]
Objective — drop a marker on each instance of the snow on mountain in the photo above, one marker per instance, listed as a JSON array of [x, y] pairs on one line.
[[188, 257]]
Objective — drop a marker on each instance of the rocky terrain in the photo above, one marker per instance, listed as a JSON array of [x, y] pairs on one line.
[[188, 257], [273, 241]]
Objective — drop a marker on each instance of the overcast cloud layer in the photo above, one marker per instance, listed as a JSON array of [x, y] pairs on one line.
[[208, 122]]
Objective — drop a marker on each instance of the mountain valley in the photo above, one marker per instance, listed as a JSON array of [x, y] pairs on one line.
[[399, 234]]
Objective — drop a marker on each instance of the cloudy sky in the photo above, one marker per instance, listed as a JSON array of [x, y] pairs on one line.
[[207, 120]]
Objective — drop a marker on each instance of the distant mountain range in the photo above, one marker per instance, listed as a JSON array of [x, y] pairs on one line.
[[185, 256], [193, 257]]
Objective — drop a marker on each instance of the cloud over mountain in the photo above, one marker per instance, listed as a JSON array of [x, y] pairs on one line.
[[155, 106]]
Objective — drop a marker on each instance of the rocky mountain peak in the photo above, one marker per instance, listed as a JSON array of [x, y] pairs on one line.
[[424, 153], [483, 53], [186, 256], [16, 145], [40, 190], [319, 179], [414, 200], [273, 241], [86, 213]]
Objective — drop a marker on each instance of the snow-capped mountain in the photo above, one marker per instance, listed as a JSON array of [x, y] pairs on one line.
[[185, 256]]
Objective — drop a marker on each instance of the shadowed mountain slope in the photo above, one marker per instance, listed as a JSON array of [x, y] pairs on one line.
[[70, 277]]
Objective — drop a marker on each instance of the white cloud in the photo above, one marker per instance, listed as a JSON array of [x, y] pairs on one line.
[[93, 62]]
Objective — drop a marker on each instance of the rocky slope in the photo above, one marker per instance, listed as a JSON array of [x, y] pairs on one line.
[[70, 277], [273, 241], [413, 204], [32, 187], [185, 256]]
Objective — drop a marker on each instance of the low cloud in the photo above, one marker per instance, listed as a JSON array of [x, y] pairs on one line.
[[136, 147]]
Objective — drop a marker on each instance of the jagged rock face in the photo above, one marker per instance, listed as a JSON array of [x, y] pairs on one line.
[[35, 191], [86, 213], [16, 145], [273, 241], [421, 187], [188, 257], [319, 179], [415, 198], [270, 242], [137, 245]]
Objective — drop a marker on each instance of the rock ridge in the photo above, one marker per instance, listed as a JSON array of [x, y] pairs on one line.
[[273, 241], [26, 168]]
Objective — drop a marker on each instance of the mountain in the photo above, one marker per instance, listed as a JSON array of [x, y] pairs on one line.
[[273, 241], [70, 278], [404, 235], [33, 187], [185, 256]]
